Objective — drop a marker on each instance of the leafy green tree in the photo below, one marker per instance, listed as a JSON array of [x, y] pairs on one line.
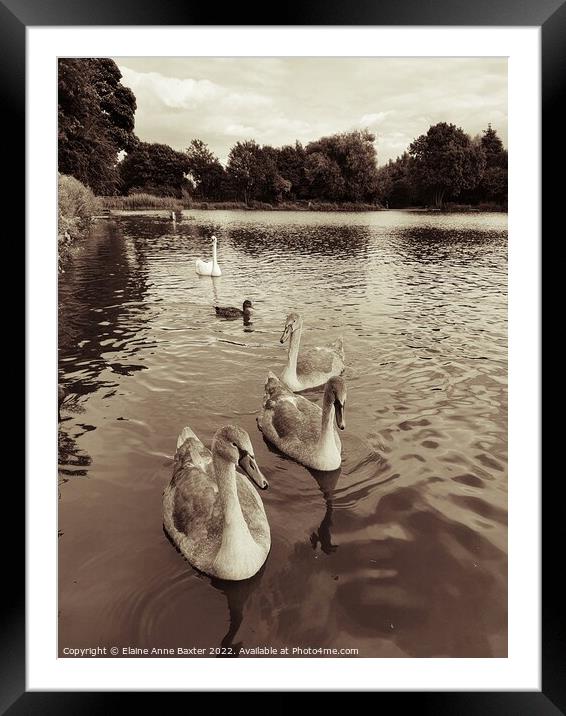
[[155, 168], [95, 121], [446, 161]]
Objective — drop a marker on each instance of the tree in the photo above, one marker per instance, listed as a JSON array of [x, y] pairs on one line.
[[241, 167], [281, 187], [270, 185], [396, 183], [95, 121], [117, 102], [291, 167], [206, 172], [155, 168], [324, 177], [353, 155], [446, 161], [491, 145], [493, 183], [253, 173]]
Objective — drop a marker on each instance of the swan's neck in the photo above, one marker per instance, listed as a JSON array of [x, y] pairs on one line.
[[236, 536], [238, 550], [294, 342], [225, 473], [214, 259], [326, 440]]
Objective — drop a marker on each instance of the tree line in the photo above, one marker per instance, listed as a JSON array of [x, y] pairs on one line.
[[447, 164], [98, 146]]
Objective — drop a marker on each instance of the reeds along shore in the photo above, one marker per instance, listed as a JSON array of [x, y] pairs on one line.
[[76, 207], [141, 202]]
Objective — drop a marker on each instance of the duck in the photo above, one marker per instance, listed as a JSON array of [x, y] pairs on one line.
[[233, 312], [211, 512], [300, 428], [312, 367], [209, 268]]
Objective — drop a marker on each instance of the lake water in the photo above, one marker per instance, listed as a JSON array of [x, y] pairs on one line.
[[402, 552]]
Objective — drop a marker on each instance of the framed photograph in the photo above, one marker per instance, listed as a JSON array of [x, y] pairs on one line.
[[284, 280]]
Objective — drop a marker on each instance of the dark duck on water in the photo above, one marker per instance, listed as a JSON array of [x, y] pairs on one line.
[[233, 312]]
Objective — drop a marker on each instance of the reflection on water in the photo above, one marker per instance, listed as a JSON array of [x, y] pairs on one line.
[[400, 552], [323, 535], [237, 595]]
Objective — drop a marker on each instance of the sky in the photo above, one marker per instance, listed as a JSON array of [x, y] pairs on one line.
[[279, 100]]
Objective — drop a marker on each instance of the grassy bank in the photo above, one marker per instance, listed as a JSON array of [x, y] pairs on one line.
[[485, 206], [285, 206], [451, 208], [138, 202], [76, 207]]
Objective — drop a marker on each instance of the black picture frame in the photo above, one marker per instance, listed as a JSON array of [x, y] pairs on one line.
[[550, 16]]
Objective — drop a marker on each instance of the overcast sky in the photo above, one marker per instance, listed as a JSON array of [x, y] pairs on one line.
[[278, 100]]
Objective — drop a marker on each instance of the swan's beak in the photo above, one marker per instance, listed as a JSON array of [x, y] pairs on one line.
[[339, 411], [249, 466], [285, 334]]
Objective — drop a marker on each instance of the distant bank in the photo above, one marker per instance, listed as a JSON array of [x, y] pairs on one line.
[[141, 202]]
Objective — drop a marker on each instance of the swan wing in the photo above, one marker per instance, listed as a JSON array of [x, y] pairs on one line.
[[254, 512], [297, 418], [338, 347], [274, 390], [203, 267], [191, 510], [192, 515], [192, 453], [315, 360], [287, 416], [321, 360]]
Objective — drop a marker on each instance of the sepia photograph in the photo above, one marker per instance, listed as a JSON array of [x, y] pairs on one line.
[[282, 357]]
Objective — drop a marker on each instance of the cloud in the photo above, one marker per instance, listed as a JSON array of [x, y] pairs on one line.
[[188, 93], [172, 92], [241, 130], [370, 120]]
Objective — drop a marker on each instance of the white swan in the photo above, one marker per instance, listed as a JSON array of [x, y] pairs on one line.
[[313, 366], [211, 512], [209, 268], [300, 428]]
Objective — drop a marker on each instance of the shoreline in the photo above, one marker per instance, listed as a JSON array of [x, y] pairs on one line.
[[417, 210], [149, 202]]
